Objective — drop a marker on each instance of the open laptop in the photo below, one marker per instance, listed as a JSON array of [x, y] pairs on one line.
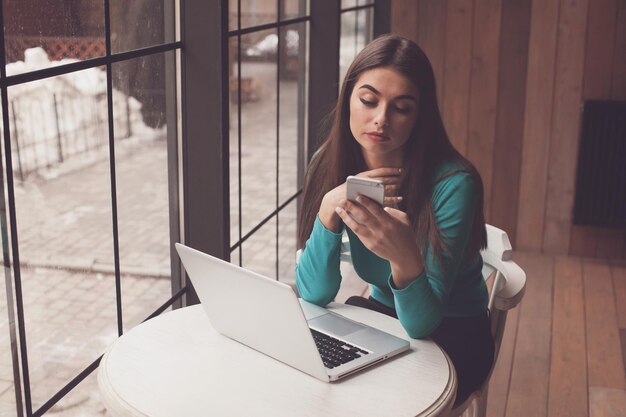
[[266, 315]]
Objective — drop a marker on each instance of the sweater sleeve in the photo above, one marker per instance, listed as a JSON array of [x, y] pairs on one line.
[[421, 304], [318, 276]]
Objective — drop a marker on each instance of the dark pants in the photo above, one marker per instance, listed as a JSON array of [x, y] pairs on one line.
[[467, 341]]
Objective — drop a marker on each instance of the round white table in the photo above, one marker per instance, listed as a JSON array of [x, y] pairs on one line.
[[178, 365]]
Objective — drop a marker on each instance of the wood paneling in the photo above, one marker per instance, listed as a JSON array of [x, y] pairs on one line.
[[483, 91], [570, 55], [507, 161], [583, 240], [404, 18], [457, 71], [511, 78], [622, 336], [618, 80], [431, 37], [610, 243], [537, 124], [568, 369], [600, 45]]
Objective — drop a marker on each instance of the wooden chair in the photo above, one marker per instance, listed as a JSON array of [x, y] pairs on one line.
[[508, 283]]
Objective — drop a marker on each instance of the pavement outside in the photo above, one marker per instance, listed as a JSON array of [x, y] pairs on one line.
[[68, 285]]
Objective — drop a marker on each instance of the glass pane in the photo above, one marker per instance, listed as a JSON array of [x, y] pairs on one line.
[[7, 391], [258, 12], [141, 161], [287, 226], [345, 4], [356, 32], [8, 332], [140, 23], [83, 400], [292, 108], [259, 251], [347, 43], [8, 340], [59, 29], [365, 27], [234, 257], [233, 12], [293, 8], [258, 133], [63, 202]]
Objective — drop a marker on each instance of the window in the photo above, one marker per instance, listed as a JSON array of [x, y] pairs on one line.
[[111, 148], [89, 108], [268, 141], [267, 79], [356, 31]]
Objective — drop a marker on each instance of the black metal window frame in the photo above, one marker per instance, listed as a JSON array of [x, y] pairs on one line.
[[203, 92], [324, 58], [237, 34], [324, 19], [21, 366]]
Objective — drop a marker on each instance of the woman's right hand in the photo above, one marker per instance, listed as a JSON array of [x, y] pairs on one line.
[[391, 177]]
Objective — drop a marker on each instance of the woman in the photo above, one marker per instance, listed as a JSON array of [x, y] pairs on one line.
[[421, 252]]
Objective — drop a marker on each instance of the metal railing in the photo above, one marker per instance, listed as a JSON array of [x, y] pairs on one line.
[[68, 123]]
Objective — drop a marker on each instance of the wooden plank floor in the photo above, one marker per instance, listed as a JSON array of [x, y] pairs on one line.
[[564, 347]]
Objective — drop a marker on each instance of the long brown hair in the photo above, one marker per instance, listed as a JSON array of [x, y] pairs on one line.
[[426, 149]]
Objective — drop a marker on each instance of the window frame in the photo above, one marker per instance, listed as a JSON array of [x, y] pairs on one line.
[[197, 99], [11, 249]]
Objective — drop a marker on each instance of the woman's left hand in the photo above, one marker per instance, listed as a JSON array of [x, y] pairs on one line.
[[387, 232]]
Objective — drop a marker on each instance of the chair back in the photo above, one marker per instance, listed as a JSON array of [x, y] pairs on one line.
[[509, 280], [507, 290]]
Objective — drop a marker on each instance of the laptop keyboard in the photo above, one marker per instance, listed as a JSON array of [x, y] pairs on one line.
[[335, 352]]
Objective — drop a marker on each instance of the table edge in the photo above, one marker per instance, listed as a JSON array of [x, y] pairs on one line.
[[119, 407], [114, 403]]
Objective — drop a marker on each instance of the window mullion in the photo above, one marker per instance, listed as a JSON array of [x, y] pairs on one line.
[[323, 66], [205, 133]]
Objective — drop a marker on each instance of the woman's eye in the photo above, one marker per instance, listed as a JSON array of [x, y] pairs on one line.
[[368, 103], [403, 110]]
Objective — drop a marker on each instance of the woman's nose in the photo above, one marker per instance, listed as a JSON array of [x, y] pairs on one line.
[[381, 118]]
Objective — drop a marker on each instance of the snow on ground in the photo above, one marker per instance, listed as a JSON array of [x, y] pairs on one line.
[[54, 119]]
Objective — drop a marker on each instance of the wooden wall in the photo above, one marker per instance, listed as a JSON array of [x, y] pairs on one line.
[[511, 77]]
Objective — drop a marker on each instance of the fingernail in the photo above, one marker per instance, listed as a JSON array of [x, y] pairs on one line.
[[399, 198], [338, 210], [399, 170], [359, 198]]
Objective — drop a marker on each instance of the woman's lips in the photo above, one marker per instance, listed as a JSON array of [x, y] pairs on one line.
[[377, 137]]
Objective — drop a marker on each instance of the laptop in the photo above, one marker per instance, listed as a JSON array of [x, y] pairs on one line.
[[266, 315]]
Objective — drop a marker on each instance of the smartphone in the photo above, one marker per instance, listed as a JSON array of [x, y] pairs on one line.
[[373, 189]]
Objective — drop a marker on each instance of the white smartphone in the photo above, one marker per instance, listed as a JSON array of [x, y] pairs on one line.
[[374, 189]]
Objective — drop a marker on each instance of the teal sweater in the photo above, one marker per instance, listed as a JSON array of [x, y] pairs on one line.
[[453, 287]]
